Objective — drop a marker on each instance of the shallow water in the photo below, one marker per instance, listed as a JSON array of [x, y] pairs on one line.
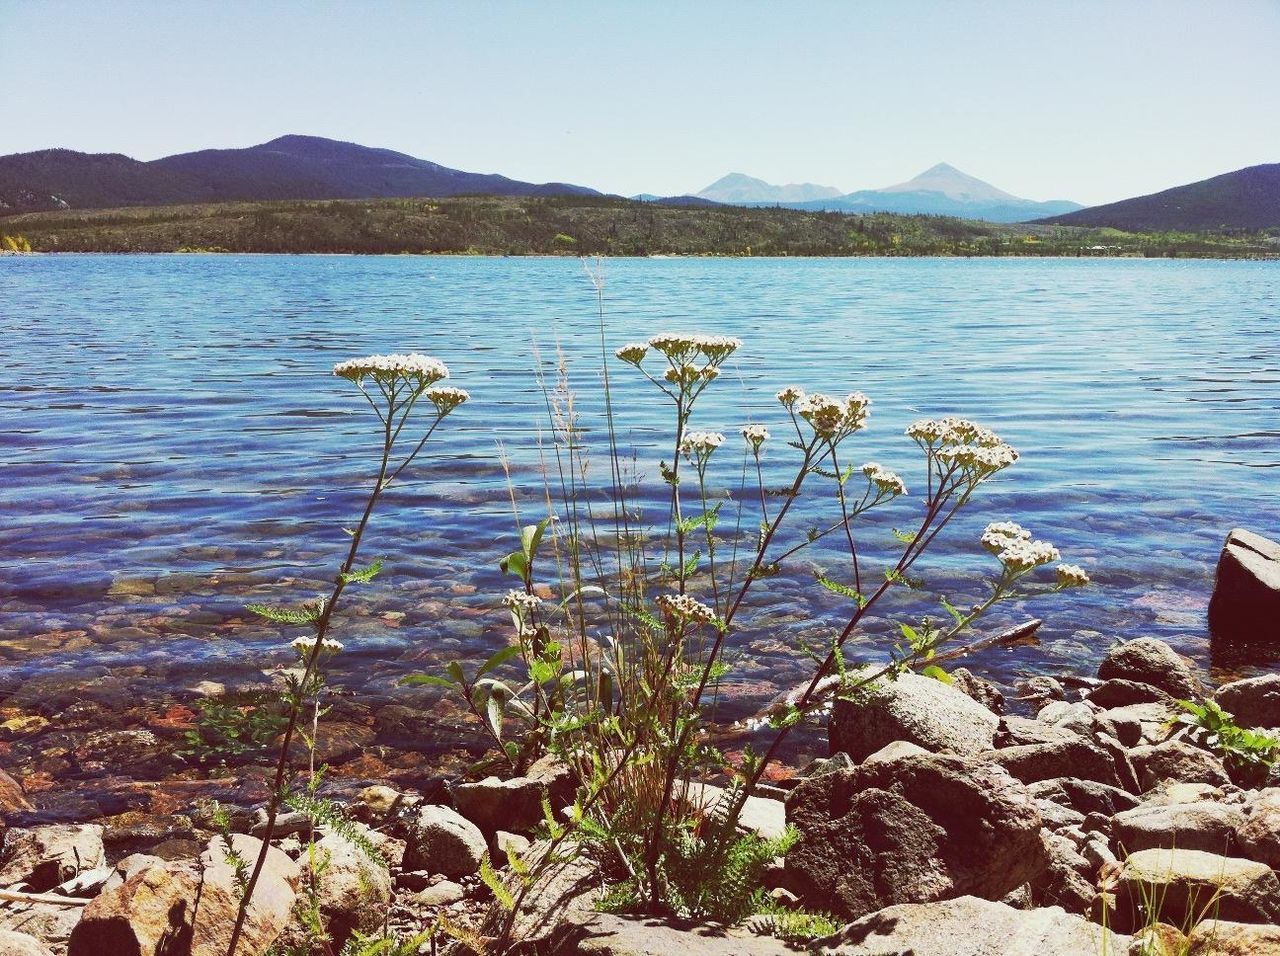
[[173, 444]]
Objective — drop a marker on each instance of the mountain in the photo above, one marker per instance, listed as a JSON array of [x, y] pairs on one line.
[[943, 190], [741, 190], [290, 167], [1248, 198]]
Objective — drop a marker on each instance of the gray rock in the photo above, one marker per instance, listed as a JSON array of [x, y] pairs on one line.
[[1067, 879], [1039, 691], [969, 926], [1177, 761], [1119, 692], [1077, 717], [1254, 701], [43, 857], [1152, 718], [1190, 883], [1258, 836], [493, 804], [440, 894], [816, 768], [1245, 607], [979, 688], [1215, 937], [20, 944], [1084, 796], [354, 890], [51, 925], [562, 899], [443, 841], [1149, 661], [899, 748], [1206, 826], [606, 934], [915, 829], [1069, 758], [919, 710], [763, 817]]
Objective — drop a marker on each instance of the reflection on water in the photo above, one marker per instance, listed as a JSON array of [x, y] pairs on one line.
[[173, 444]]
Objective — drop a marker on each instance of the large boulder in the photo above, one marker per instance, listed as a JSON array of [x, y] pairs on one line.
[[1204, 825], [1215, 937], [1176, 761], [969, 926], [20, 944], [1077, 758], [1149, 661], [911, 830], [1245, 607], [43, 857], [919, 710], [1259, 834], [1253, 702], [1083, 796], [605, 934], [181, 908], [354, 890], [1190, 884], [443, 841]]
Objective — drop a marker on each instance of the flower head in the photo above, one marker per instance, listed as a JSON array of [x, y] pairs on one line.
[[755, 435], [790, 396], [683, 607], [681, 348], [1001, 534], [519, 600], [305, 645], [976, 452], [633, 353], [1071, 576], [688, 375], [446, 398], [886, 482], [698, 446], [831, 418], [421, 371]]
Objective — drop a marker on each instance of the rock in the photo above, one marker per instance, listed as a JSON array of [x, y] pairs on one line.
[[986, 929], [607, 934], [915, 829], [43, 857], [1253, 702], [1084, 796], [288, 823], [51, 925], [154, 912], [1067, 879], [837, 761], [1017, 731], [1056, 817], [1149, 661], [508, 844], [1215, 937], [1070, 758], [1170, 791], [980, 689], [1177, 761], [20, 944], [11, 795], [1158, 939], [1153, 719], [1119, 692], [563, 897], [1258, 836], [1040, 690], [493, 804], [134, 831], [1076, 717], [919, 710], [765, 818], [378, 802], [1190, 883], [443, 841], [1210, 827], [1245, 607], [354, 891], [899, 748], [440, 894]]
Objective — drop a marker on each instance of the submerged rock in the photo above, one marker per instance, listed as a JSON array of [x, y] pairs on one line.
[[1245, 607]]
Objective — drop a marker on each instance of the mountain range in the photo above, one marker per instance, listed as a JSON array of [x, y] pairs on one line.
[[940, 190], [289, 167], [1247, 198], [312, 167]]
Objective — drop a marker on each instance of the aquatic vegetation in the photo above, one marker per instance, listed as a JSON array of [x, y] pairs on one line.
[[395, 387], [626, 614]]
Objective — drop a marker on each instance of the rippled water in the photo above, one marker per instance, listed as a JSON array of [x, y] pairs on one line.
[[173, 444]]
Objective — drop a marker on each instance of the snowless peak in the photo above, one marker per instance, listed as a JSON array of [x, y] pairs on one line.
[[952, 183]]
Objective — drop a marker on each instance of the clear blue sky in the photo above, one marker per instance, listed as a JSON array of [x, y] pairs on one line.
[[1091, 100]]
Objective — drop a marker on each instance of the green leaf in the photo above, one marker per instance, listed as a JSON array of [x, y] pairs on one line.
[[498, 659], [493, 716], [515, 563], [362, 575], [426, 680], [531, 537], [280, 615], [495, 884], [835, 587], [454, 670], [937, 673]]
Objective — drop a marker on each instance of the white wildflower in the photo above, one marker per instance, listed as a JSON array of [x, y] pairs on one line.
[[1071, 576], [1024, 555], [685, 608], [1001, 534], [633, 353], [519, 600], [790, 396], [885, 481], [698, 446], [688, 374], [422, 370], [305, 645], [756, 435], [446, 398]]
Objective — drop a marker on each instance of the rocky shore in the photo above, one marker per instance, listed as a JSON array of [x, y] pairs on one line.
[[1085, 817]]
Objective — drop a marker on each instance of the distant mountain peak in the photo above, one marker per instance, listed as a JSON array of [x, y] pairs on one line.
[[741, 188], [952, 183]]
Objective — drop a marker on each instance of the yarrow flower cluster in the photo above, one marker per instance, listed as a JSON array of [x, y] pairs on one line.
[[519, 600], [790, 396], [1071, 576], [1012, 545], [305, 645], [961, 443], [687, 375], [446, 398], [681, 348], [886, 482], [831, 418], [756, 435], [700, 444], [683, 607], [633, 353], [422, 371]]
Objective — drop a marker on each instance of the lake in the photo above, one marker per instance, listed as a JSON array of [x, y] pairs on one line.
[[174, 444]]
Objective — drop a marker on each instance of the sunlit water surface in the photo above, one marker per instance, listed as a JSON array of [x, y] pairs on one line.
[[174, 445]]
